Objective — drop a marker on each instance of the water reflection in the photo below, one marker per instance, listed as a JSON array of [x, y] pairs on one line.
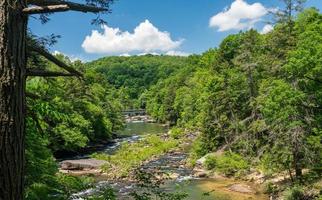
[[142, 128]]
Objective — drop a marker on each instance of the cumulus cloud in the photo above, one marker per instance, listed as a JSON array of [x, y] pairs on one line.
[[240, 15], [267, 28], [125, 55], [145, 38]]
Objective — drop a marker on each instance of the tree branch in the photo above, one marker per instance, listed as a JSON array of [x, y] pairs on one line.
[[45, 9], [313, 79], [32, 95], [71, 5], [43, 73], [53, 59]]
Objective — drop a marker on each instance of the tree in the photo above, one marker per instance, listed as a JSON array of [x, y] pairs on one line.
[[281, 106], [286, 16], [14, 48]]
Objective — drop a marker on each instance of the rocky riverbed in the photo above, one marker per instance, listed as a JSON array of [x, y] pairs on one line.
[[174, 165], [194, 181]]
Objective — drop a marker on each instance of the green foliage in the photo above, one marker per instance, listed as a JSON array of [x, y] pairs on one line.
[[294, 193], [197, 150], [132, 76], [57, 187], [210, 162], [73, 112], [230, 164], [270, 188], [107, 194], [151, 188], [177, 133], [71, 184]]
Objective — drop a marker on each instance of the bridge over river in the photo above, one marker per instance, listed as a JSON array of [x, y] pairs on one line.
[[134, 112]]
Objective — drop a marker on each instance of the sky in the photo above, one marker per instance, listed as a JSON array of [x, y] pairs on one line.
[[169, 27]]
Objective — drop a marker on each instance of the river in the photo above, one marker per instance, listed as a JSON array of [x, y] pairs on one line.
[[172, 163]]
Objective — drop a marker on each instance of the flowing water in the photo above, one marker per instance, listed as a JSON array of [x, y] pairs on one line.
[[171, 163], [142, 128]]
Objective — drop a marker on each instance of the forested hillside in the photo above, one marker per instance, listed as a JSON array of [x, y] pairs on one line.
[[257, 97], [132, 76]]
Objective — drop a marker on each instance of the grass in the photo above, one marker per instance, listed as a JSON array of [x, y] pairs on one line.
[[131, 156]]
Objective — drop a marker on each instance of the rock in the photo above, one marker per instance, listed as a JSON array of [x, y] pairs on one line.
[[256, 177], [201, 174], [242, 188], [81, 164], [174, 175], [202, 160], [95, 172]]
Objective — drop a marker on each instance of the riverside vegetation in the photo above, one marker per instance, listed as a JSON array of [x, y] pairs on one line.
[[256, 98]]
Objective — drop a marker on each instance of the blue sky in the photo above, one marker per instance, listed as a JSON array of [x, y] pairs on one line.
[[162, 26]]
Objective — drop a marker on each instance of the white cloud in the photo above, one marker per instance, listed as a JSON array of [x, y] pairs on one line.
[[240, 15], [55, 53], [176, 53], [145, 38], [267, 28], [125, 55], [149, 53]]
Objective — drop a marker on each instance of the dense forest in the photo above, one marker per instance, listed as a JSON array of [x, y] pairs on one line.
[[257, 97]]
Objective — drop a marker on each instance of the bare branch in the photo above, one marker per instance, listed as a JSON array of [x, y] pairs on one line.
[[53, 59], [45, 9], [71, 5], [43, 73]]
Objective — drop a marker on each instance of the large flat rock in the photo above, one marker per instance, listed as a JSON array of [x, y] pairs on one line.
[[81, 164], [242, 188]]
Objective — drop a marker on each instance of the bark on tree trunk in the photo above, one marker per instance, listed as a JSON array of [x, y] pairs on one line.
[[12, 98]]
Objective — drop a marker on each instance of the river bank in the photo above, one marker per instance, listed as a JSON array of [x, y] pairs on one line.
[[172, 164]]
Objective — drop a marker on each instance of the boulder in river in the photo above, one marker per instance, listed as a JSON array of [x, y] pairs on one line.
[[202, 174], [81, 164]]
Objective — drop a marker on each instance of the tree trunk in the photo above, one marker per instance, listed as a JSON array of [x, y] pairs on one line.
[[297, 165], [12, 98]]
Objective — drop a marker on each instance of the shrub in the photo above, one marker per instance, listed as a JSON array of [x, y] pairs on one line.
[[210, 162], [294, 193], [107, 194], [270, 188], [177, 133], [196, 152], [71, 184], [231, 164]]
